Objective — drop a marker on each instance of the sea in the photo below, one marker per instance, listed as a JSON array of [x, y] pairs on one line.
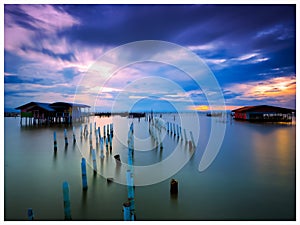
[[250, 173]]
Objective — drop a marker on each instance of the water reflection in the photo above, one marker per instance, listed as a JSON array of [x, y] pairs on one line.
[[253, 177], [272, 148]]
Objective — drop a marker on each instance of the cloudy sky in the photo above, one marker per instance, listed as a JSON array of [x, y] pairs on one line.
[[51, 52]]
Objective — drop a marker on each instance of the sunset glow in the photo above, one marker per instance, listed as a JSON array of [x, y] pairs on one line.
[[50, 48]]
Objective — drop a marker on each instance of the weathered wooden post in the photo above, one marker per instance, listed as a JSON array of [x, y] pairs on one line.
[[97, 136], [104, 131], [130, 192], [177, 126], [161, 143], [112, 129], [174, 129], [174, 186], [106, 144], [91, 142], [129, 208], [174, 132], [30, 214], [126, 211], [67, 203], [184, 131], [99, 133], [107, 126], [192, 139], [94, 161], [55, 142], [66, 137], [117, 158], [83, 173], [85, 130], [180, 133], [101, 148], [110, 142], [74, 137]]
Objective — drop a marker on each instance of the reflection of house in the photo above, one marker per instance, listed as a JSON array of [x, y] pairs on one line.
[[263, 113], [58, 112]]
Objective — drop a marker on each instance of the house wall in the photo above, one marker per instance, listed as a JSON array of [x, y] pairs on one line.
[[240, 116]]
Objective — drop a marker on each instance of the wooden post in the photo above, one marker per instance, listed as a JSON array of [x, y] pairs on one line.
[[129, 179], [130, 193], [84, 130], [101, 148], [192, 139], [177, 126], [91, 142], [173, 128], [95, 127], [81, 131], [184, 131], [104, 131], [94, 161], [180, 133], [99, 133], [97, 136], [67, 203], [110, 142], [174, 186], [30, 214], [107, 126], [83, 173], [106, 144], [74, 136], [55, 142], [66, 137], [112, 129], [126, 211], [91, 128], [117, 158]]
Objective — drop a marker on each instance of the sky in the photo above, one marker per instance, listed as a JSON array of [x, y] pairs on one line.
[[73, 53]]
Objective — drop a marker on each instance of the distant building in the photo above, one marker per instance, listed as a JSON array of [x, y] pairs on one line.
[[58, 112], [263, 113]]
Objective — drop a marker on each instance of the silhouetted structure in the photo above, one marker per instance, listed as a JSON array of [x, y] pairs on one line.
[[263, 113], [58, 112]]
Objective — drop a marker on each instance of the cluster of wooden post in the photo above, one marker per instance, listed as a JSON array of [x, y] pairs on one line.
[[107, 137], [129, 206], [176, 130], [156, 125]]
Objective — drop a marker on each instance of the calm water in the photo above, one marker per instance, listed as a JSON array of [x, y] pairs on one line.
[[252, 177]]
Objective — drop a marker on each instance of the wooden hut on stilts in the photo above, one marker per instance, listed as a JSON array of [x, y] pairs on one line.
[[50, 113]]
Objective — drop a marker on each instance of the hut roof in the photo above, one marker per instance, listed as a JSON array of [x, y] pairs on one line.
[[51, 107], [264, 108], [67, 104], [45, 106]]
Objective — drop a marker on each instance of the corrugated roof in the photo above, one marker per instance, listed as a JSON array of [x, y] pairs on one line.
[[264, 108], [51, 106], [63, 104], [43, 105]]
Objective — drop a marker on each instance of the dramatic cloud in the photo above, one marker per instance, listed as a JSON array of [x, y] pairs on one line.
[[49, 49]]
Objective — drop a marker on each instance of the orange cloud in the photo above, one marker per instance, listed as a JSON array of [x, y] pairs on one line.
[[213, 108], [280, 87]]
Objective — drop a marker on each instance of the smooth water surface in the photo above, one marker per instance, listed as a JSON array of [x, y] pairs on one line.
[[252, 177]]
